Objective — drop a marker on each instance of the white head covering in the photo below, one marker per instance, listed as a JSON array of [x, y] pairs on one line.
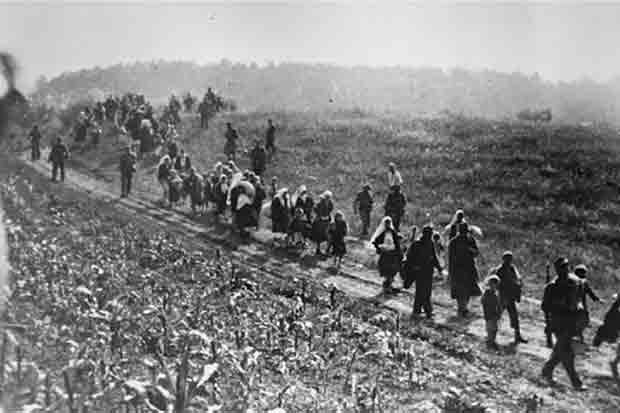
[[163, 160], [280, 193], [242, 201], [298, 193], [380, 229], [454, 221]]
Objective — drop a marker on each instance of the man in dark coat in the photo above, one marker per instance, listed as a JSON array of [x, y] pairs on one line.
[[35, 143], [510, 285], [203, 109], [362, 205], [58, 155], [421, 263], [395, 206], [270, 138], [127, 168], [462, 267], [258, 157], [560, 304]]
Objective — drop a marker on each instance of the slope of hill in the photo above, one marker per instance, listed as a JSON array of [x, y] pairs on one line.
[[539, 192], [77, 258], [301, 87]]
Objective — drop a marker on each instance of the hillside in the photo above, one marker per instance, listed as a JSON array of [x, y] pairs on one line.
[[317, 352], [307, 87], [539, 192]]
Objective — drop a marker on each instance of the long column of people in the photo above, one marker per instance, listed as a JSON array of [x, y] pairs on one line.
[[227, 190]]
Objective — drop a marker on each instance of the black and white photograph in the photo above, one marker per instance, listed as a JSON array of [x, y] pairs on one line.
[[307, 206]]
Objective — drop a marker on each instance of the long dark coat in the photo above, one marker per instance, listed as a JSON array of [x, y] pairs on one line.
[[463, 272], [280, 216], [421, 261]]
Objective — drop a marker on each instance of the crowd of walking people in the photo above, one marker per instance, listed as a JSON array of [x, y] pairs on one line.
[[298, 218]]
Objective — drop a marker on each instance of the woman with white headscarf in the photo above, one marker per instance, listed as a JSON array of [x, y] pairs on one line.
[[387, 244], [302, 199]]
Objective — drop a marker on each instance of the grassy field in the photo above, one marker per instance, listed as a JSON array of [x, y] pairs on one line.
[[539, 191]]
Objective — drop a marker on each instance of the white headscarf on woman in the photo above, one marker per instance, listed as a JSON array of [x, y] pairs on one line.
[[473, 229], [380, 229], [242, 201], [163, 160], [300, 193]]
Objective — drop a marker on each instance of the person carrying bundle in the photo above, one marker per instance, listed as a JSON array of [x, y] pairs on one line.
[[244, 215]]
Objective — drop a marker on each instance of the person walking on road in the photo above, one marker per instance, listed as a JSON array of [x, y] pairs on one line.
[[127, 168], [463, 273], [510, 286], [420, 265], [387, 244], [362, 205], [35, 143], [561, 303], [58, 155], [492, 309]]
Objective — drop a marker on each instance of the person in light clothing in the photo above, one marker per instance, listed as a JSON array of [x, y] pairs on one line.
[[387, 244]]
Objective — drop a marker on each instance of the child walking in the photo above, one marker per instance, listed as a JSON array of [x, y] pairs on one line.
[[492, 310]]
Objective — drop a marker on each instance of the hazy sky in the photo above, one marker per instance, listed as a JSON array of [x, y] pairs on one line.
[[561, 42]]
